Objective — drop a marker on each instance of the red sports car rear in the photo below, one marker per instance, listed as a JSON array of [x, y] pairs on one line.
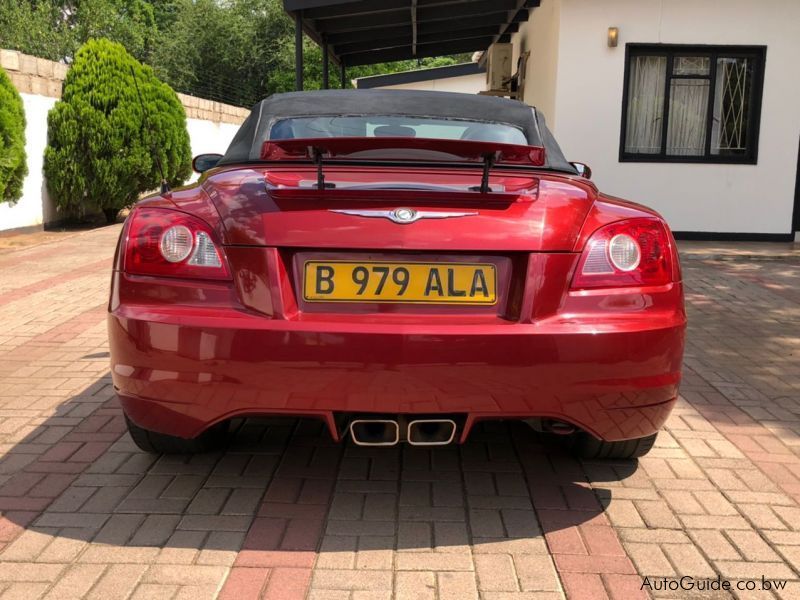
[[399, 265]]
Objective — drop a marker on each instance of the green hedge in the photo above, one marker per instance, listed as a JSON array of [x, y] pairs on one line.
[[13, 165], [103, 151]]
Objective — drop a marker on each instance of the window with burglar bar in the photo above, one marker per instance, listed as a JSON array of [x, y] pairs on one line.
[[692, 103]]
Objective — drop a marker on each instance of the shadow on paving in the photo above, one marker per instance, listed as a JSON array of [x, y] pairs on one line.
[[79, 479]]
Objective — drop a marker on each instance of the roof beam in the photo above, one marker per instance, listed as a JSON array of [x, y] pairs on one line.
[[414, 27], [369, 7], [382, 43], [431, 27], [521, 15], [404, 53], [294, 5], [424, 15]]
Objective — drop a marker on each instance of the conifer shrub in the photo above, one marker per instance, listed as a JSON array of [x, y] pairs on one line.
[[114, 124], [13, 164]]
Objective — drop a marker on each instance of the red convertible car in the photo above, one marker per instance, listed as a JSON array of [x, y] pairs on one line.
[[400, 265]]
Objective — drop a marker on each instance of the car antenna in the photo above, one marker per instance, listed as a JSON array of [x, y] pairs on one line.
[[488, 163], [316, 155], [146, 123]]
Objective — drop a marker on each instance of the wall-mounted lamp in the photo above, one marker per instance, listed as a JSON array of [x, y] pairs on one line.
[[613, 37]]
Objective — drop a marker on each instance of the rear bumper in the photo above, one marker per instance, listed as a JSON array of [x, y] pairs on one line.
[[179, 372]]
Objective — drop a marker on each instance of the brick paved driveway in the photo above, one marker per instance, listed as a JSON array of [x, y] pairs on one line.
[[285, 514]]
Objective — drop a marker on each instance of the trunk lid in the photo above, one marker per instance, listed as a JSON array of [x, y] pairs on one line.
[[282, 207]]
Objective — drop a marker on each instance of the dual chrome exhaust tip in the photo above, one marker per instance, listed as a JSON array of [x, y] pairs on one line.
[[387, 432]]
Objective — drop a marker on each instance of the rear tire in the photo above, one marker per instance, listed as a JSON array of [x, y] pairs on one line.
[[585, 445], [161, 443]]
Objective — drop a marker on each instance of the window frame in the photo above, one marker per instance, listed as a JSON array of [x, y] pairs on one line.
[[670, 51]]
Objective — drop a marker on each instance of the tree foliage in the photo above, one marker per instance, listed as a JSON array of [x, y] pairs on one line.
[[234, 51], [103, 148], [55, 29], [13, 166]]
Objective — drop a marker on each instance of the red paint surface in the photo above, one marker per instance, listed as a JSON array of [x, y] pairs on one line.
[[189, 353]]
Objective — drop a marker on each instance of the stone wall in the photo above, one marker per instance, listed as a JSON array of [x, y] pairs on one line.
[[42, 77], [31, 75]]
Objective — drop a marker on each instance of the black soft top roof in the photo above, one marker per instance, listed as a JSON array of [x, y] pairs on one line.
[[246, 145]]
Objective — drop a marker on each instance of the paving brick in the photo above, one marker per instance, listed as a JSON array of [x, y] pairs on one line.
[[415, 586], [715, 545], [118, 581], [432, 561], [650, 559], [623, 513], [457, 586], [536, 573], [565, 541], [287, 583], [496, 573], [29, 571], [625, 587], [657, 514], [688, 560], [762, 517], [584, 585], [751, 546], [601, 540], [375, 552], [25, 591], [151, 591], [508, 546], [76, 582], [98, 553], [27, 546], [340, 579], [184, 574], [360, 528], [65, 548], [155, 530]]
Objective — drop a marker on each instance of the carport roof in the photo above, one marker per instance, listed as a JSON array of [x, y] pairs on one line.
[[366, 32]]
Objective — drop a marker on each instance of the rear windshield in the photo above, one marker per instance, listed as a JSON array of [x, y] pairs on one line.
[[395, 126]]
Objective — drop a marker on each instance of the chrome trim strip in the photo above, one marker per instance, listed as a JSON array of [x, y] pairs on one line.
[[403, 216]]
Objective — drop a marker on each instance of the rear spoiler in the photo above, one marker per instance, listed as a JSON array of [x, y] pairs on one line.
[[369, 148]]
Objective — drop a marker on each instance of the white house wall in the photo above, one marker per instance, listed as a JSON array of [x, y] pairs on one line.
[[588, 99], [540, 36], [465, 84]]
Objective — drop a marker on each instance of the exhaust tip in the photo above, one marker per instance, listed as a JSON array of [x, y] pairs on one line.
[[431, 432], [558, 427], [375, 432]]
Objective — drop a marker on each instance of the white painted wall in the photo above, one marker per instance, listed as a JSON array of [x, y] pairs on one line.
[[29, 210], [208, 137], [539, 35], [586, 112], [465, 84], [35, 208]]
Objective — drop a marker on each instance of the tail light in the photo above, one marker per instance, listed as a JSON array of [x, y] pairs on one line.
[[168, 243], [636, 252]]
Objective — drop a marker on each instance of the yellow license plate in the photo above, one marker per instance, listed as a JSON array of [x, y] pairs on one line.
[[413, 282]]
